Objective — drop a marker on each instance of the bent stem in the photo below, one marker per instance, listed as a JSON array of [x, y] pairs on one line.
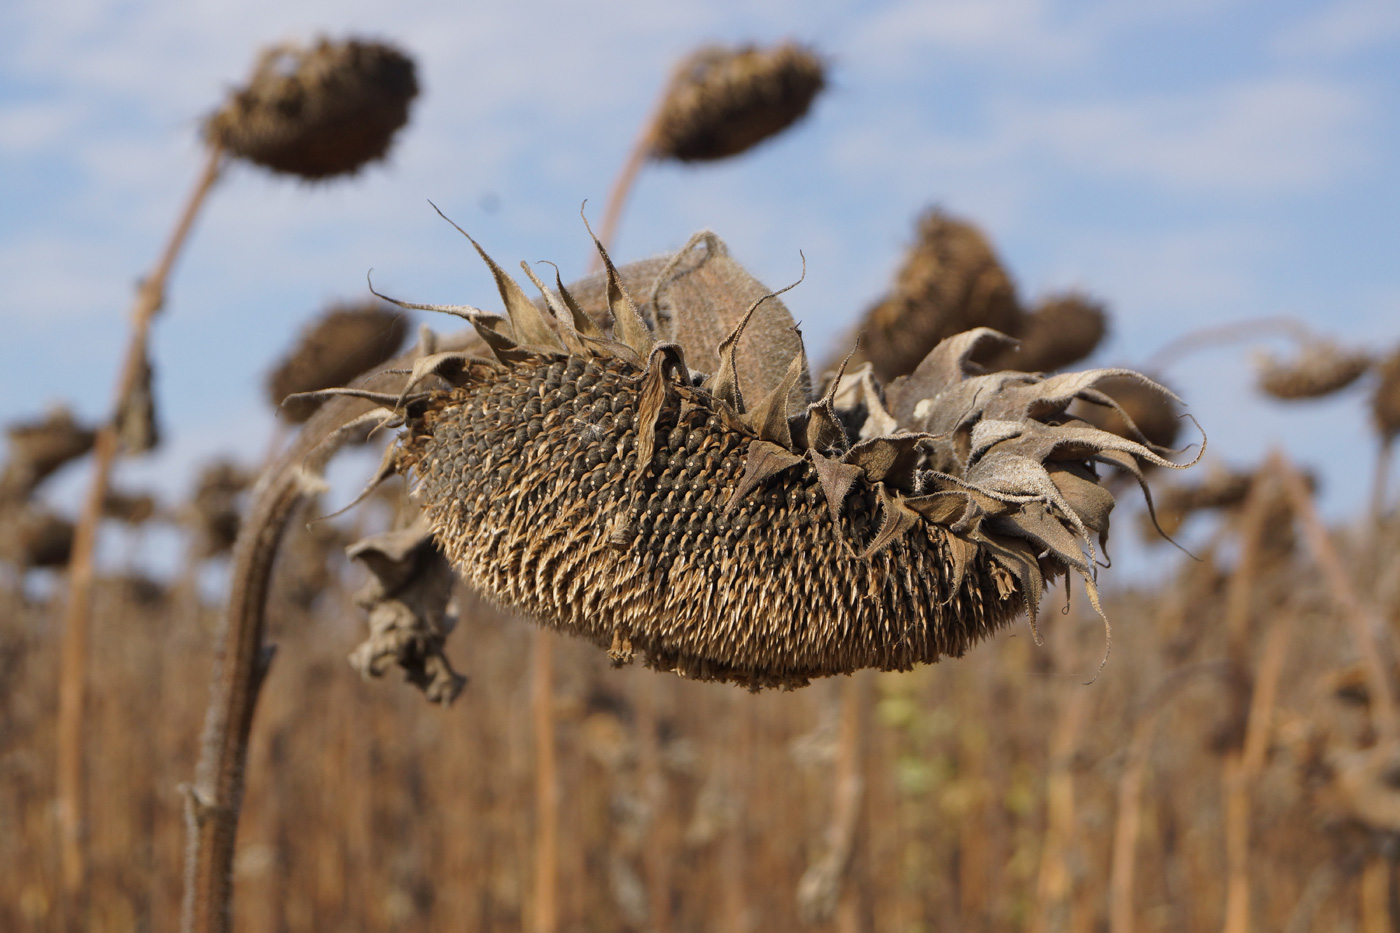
[[72, 678], [240, 665]]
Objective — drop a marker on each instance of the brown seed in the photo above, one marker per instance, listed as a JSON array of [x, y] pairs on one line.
[[1385, 402], [1320, 369], [318, 112], [725, 100], [342, 343], [1059, 332], [38, 448], [951, 281]]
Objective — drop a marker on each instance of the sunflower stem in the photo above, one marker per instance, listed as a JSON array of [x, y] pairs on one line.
[[72, 686]]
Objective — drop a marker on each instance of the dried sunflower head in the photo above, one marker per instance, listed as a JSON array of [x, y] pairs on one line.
[[1059, 332], [214, 512], [1385, 401], [587, 476], [724, 100], [318, 112], [38, 448], [951, 281], [33, 536], [343, 342], [1323, 367]]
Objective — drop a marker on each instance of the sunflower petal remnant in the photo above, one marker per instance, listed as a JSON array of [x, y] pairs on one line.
[[757, 536]]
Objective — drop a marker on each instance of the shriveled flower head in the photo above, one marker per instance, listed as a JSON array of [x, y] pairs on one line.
[[724, 100], [213, 513], [33, 536], [38, 448], [343, 342], [132, 508], [728, 526], [951, 281], [1059, 332], [1321, 368], [1385, 402], [318, 112]]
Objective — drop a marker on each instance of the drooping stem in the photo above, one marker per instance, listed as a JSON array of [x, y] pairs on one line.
[[72, 678], [1379, 484], [617, 195], [240, 665], [1225, 333]]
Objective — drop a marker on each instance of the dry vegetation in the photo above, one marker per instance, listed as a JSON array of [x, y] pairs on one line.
[[995, 786], [1234, 766]]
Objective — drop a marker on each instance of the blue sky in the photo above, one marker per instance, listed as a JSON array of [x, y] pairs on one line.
[[1190, 162]]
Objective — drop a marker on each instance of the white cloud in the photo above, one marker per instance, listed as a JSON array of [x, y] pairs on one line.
[[1340, 29], [1000, 32], [1268, 136]]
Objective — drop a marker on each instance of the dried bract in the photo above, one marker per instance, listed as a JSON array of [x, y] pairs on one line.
[[38, 448], [408, 599], [342, 343], [1059, 332], [1138, 412], [723, 100], [951, 281], [318, 112], [1320, 369], [137, 431], [589, 478]]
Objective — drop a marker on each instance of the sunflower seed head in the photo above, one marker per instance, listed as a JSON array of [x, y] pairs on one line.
[[951, 281], [627, 500], [1059, 332], [130, 508], [725, 100], [1321, 368], [214, 511], [318, 112], [1385, 400], [38, 448], [345, 341], [32, 536]]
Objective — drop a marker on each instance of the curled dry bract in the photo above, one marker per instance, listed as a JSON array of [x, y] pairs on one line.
[[589, 477]]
